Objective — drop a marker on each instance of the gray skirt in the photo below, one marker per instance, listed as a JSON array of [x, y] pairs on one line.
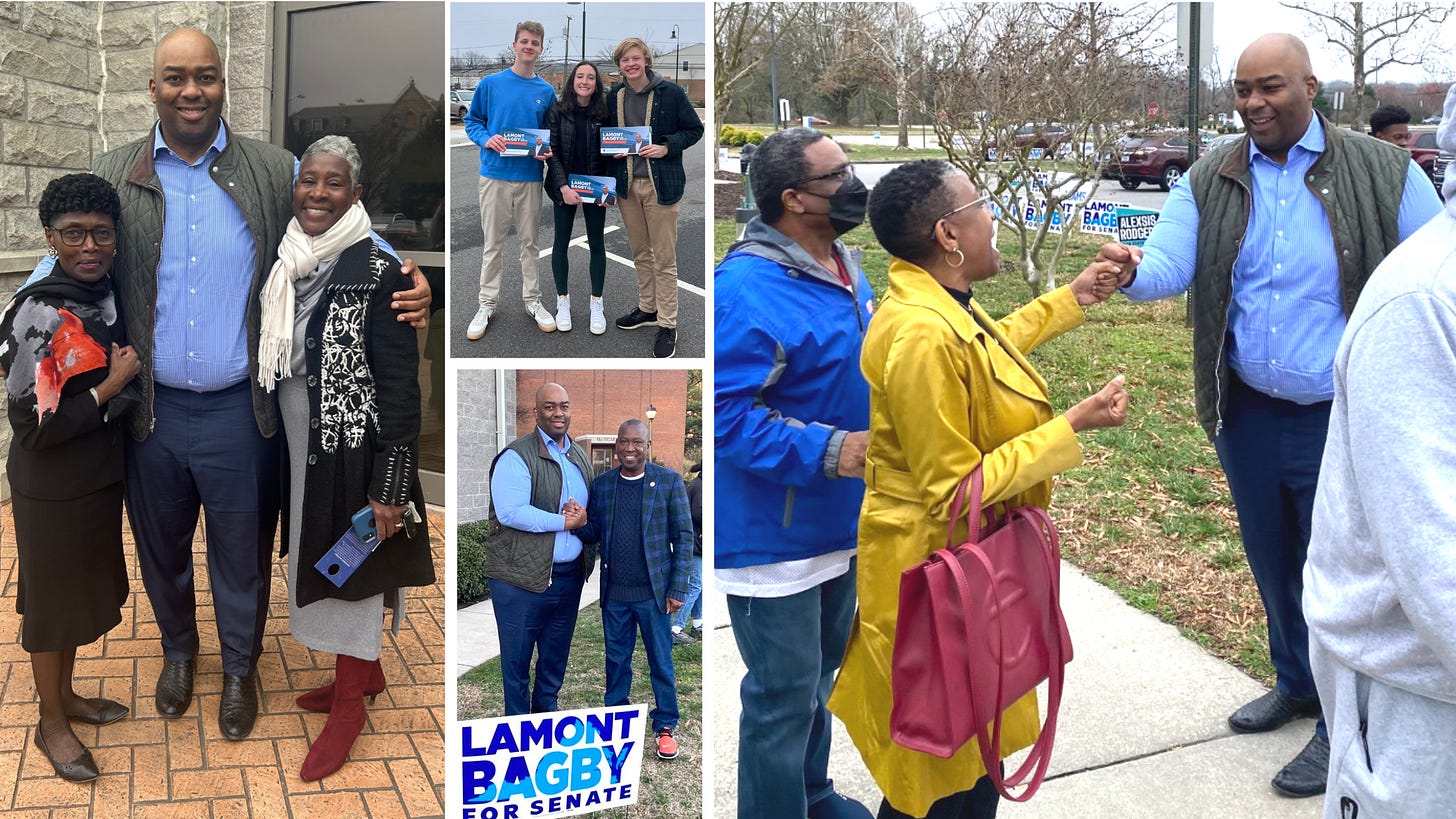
[[352, 627]]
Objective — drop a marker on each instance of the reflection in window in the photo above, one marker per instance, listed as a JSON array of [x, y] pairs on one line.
[[349, 75]]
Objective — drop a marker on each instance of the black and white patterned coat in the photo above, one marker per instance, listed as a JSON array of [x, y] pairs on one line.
[[364, 425]]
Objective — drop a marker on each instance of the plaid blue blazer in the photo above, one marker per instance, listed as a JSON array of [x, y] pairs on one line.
[[667, 529]]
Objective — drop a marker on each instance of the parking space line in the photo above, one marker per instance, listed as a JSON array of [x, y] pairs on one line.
[[580, 241]]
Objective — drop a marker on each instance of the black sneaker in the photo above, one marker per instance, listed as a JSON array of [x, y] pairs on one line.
[[637, 318], [665, 346]]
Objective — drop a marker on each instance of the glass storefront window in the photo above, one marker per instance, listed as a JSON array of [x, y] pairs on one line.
[[373, 72]]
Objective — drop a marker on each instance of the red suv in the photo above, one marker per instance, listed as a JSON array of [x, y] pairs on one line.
[[1424, 149], [1161, 159]]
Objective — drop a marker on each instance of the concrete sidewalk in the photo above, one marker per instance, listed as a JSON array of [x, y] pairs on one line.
[[1142, 731], [476, 639]]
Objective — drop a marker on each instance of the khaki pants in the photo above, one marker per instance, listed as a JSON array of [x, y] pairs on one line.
[[501, 204], [652, 229]]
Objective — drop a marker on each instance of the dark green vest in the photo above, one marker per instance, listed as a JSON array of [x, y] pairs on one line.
[[1358, 179], [520, 558]]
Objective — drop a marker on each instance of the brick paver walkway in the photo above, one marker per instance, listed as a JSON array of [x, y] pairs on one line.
[[151, 767]]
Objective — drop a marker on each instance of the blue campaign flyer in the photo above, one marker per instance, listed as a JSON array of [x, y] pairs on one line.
[[594, 190], [526, 142], [625, 141]]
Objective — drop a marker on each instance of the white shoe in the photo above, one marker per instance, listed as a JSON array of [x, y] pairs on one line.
[[543, 318], [598, 317], [479, 323], [563, 313]]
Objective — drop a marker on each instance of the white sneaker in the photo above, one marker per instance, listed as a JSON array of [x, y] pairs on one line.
[[598, 317], [543, 318], [479, 323], [563, 313]]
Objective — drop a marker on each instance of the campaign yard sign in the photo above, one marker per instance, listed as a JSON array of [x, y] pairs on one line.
[[562, 763], [526, 141], [1135, 225], [594, 190], [625, 141]]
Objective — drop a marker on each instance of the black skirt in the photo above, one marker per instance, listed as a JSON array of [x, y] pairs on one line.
[[72, 579]]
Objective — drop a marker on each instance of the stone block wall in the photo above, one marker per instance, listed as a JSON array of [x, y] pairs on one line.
[[476, 440]]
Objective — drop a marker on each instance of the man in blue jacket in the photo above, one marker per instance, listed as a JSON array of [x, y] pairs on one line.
[[792, 410], [639, 513], [510, 186]]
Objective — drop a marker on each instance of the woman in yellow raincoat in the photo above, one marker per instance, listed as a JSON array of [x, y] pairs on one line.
[[949, 389]]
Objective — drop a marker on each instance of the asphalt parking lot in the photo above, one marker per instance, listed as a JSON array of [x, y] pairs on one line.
[[513, 333]]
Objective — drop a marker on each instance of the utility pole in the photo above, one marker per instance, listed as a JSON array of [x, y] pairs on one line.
[[566, 59]]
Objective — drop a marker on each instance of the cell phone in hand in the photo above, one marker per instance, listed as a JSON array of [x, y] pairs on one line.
[[364, 526]]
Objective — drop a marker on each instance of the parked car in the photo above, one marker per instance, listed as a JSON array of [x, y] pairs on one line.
[[816, 122], [1424, 149], [1223, 139], [1438, 169], [460, 102], [1048, 137], [1161, 159]]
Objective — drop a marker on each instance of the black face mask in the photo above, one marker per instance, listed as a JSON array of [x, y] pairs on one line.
[[847, 206]]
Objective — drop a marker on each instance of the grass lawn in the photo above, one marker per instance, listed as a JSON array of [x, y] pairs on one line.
[[669, 789], [1148, 514]]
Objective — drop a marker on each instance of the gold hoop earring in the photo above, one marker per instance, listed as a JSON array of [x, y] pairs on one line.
[[959, 261], [53, 254]]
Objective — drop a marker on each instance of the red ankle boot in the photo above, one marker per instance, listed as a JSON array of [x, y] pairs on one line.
[[322, 698], [346, 719]]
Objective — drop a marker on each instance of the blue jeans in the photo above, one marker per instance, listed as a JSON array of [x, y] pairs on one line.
[[620, 624], [1271, 451], [784, 729], [536, 622], [693, 605]]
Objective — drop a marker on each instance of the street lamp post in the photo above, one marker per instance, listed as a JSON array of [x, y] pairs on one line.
[[677, 61], [581, 3], [651, 416]]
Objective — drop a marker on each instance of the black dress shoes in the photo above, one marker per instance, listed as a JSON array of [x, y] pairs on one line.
[[239, 708], [81, 769], [174, 687], [107, 712], [1272, 711], [1306, 774]]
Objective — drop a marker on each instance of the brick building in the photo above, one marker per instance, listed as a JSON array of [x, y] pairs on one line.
[[602, 399]]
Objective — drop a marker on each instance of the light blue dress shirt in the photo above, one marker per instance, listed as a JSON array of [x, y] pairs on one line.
[[1286, 315], [208, 257], [510, 491]]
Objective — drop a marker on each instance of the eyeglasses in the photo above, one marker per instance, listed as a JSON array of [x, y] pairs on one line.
[[842, 174], [75, 237], [984, 200]]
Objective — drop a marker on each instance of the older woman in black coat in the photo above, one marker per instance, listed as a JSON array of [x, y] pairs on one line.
[[345, 371]]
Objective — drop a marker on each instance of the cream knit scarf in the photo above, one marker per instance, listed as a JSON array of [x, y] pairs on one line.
[[299, 255]]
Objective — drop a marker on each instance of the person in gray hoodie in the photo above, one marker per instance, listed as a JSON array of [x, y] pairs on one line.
[[1380, 580]]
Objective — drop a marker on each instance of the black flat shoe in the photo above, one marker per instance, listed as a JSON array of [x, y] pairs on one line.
[[1307, 773], [1272, 711], [107, 712], [239, 708], [174, 687], [80, 769]]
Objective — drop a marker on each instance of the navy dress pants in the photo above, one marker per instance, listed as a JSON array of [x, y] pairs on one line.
[[1271, 451], [540, 623], [205, 453]]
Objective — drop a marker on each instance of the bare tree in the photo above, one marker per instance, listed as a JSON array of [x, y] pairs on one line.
[[744, 34], [1375, 35], [893, 36], [1029, 97]]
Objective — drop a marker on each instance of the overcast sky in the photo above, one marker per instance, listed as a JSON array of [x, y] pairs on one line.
[[489, 27]]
